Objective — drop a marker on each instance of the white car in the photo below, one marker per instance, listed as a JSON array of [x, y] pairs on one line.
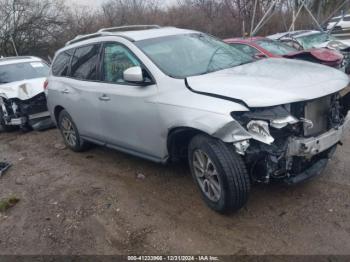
[[22, 98], [339, 23], [166, 94]]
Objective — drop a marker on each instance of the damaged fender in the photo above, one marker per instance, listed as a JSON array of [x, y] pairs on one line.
[[232, 132]]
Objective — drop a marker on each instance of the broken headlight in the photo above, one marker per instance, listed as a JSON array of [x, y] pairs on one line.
[[283, 122], [259, 121], [260, 131]]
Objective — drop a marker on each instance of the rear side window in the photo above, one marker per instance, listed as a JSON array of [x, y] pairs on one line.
[[60, 66], [84, 62]]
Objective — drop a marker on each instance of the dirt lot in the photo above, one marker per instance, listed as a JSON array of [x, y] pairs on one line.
[[98, 203]]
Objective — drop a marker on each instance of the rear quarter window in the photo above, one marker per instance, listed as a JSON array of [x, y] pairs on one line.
[[60, 66], [85, 62]]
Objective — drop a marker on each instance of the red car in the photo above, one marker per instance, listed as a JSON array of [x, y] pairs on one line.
[[261, 47]]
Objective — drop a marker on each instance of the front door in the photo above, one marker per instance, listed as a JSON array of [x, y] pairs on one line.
[[130, 118]]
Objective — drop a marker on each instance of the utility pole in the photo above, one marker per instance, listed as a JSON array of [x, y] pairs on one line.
[[14, 26]]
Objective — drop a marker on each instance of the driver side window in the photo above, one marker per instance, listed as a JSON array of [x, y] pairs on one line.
[[116, 59]]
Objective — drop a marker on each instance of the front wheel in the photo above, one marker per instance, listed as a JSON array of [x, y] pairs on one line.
[[70, 133], [219, 173]]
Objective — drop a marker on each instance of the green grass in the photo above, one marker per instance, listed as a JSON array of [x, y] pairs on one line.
[[8, 203]]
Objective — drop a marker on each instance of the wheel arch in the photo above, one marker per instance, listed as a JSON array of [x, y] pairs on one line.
[[179, 139], [57, 111]]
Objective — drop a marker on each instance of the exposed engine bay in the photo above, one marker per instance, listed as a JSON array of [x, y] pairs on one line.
[[30, 113], [293, 142]]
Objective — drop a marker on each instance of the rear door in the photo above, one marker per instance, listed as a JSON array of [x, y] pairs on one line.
[[81, 91]]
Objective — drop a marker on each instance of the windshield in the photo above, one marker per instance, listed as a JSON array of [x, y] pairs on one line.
[[21, 71], [275, 47], [182, 56], [314, 40]]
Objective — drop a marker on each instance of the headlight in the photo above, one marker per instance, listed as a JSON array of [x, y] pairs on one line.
[[283, 122], [259, 130]]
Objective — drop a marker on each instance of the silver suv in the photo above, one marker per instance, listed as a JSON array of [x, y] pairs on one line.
[[168, 94]]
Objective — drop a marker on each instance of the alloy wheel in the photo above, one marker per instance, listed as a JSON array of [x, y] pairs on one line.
[[68, 132], [206, 175]]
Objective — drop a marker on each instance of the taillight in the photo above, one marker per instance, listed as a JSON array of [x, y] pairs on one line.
[[46, 84]]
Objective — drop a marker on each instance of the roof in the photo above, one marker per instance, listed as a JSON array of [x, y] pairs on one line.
[[244, 40], [18, 59], [154, 33], [338, 17], [132, 35], [298, 33]]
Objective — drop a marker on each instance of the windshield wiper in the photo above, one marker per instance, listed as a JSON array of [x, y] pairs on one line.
[[246, 62], [223, 68]]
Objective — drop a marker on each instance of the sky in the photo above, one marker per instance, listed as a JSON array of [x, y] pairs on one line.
[[97, 3]]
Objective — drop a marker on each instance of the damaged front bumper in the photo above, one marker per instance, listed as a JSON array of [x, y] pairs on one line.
[[292, 157], [23, 120], [32, 112], [323, 145], [313, 171], [308, 147]]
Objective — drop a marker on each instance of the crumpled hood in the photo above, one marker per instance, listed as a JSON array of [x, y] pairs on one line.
[[322, 54], [270, 82], [340, 45], [23, 90]]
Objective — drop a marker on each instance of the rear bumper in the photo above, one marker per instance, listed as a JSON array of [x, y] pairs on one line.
[[309, 147]]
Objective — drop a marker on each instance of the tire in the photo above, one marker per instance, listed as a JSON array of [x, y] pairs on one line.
[[231, 175], [70, 133]]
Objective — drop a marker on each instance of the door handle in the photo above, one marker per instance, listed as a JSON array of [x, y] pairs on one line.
[[65, 91], [104, 98]]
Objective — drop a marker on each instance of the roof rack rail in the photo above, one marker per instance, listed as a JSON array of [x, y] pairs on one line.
[[129, 28], [86, 37], [109, 32]]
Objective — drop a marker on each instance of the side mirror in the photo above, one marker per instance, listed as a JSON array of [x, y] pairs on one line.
[[133, 75]]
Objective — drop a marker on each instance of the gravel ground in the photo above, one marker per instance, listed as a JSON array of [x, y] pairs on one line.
[[106, 202]]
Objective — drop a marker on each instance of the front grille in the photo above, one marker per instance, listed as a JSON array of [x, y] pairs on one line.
[[317, 111], [34, 105]]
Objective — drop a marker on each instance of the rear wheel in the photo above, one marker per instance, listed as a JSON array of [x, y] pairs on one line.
[[219, 173], [70, 132]]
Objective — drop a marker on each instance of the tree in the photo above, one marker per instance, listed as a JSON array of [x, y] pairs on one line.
[[29, 25]]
